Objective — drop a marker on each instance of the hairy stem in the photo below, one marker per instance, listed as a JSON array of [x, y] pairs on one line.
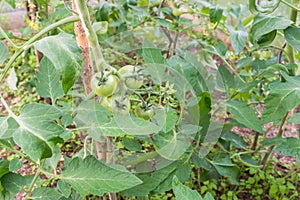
[[90, 33], [293, 17], [279, 134], [291, 5], [36, 176]]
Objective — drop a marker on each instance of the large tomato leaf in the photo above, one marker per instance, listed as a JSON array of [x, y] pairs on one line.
[[283, 97], [238, 37], [224, 166], [96, 119], [292, 36], [3, 53], [264, 25], [289, 147], [160, 180], [13, 183], [90, 175], [46, 194], [155, 62], [48, 84], [37, 133], [183, 192], [64, 54], [244, 114]]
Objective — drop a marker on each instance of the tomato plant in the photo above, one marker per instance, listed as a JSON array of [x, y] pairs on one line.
[[211, 72]]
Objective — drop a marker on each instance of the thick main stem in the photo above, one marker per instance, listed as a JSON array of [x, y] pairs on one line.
[[90, 33], [293, 17]]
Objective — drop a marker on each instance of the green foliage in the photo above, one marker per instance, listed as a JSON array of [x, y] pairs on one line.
[[199, 88]]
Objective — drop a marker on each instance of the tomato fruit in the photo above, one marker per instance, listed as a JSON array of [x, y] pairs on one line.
[[176, 12], [120, 104], [133, 79], [256, 54], [266, 54], [143, 111], [104, 86]]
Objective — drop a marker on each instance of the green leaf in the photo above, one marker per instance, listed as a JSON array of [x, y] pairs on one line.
[[272, 141], [94, 116], [225, 167], [264, 25], [100, 27], [215, 15], [4, 167], [132, 144], [13, 183], [65, 56], [225, 80], [219, 49], [283, 97], [266, 39], [32, 136], [152, 54], [249, 161], [155, 62], [45, 193], [183, 192], [15, 164], [238, 37], [158, 181], [208, 196], [292, 36], [173, 147], [244, 114], [295, 118], [48, 84], [136, 126], [7, 126], [3, 126], [290, 147], [3, 53], [235, 139], [64, 188], [92, 176]]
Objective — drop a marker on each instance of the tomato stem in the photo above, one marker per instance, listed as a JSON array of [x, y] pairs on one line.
[[92, 37]]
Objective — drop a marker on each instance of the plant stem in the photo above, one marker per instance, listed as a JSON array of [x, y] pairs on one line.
[[291, 5], [143, 158], [31, 41], [90, 33], [37, 174], [254, 145], [293, 17], [279, 134], [7, 38]]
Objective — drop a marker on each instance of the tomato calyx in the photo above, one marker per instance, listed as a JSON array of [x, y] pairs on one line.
[[144, 110]]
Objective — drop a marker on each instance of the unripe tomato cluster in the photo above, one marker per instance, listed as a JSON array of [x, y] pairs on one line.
[[113, 90]]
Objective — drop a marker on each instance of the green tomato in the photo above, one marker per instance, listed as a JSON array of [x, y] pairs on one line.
[[176, 12], [266, 54], [120, 104], [144, 112], [132, 77], [256, 54], [106, 103], [104, 86]]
